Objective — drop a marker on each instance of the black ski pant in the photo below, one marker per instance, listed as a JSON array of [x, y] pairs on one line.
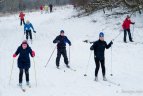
[[59, 53], [28, 33], [98, 62], [21, 75], [125, 34], [22, 21], [51, 9]]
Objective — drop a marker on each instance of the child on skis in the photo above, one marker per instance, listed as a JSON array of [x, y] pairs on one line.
[[27, 30], [22, 15], [24, 60]]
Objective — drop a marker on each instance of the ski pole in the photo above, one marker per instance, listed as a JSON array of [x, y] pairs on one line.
[[116, 36], [133, 32], [69, 55], [50, 56], [111, 62], [11, 71], [88, 63], [35, 72], [35, 36], [22, 37]]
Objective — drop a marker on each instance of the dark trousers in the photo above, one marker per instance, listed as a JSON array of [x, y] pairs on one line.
[[59, 53], [22, 21], [21, 75], [28, 33], [51, 9], [98, 62], [125, 34]]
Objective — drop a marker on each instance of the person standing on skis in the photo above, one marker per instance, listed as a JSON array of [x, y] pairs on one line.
[[24, 60], [46, 8], [51, 8], [27, 30], [126, 27], [61, 41], [99, 48], [22, 15], [41, 9]]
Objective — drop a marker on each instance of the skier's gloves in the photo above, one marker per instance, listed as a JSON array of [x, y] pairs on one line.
[[34, 31], [14, 55], [111, 42], [69, 44], [133, 23], [33, 54]]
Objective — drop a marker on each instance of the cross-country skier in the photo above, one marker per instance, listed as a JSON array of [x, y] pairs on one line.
[[51, 8], [22, 15], [24, 60], [126, 27], [41, 9], [27, 30], [46, 8], [61, 41], [99, 48]]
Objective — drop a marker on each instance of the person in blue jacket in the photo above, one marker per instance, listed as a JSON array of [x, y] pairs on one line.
[[24, 60], [61, 41], [27, 30]]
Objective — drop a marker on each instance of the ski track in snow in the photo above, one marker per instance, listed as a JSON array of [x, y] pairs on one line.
[[127, 58]]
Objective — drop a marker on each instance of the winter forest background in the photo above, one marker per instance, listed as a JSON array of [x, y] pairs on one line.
[[88, 5]]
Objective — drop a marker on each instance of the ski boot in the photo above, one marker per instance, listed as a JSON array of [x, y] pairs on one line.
[[104, 78], [96, 78], [58, 67], [67, 66], [20, 84]]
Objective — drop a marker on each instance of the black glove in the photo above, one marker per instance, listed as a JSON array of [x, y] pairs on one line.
[[69, 44], [133, 23], [34, 31], [111, 42]]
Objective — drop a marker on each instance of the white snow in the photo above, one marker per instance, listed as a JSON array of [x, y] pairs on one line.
[[127, 58]]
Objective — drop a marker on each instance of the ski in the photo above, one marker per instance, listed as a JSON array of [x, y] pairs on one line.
[[67, 68], [23, 90], [71, 69], [29, 86], [103, 83], [134, 43], [113, 83]]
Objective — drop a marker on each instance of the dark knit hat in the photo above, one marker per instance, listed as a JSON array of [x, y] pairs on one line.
[[101, 34], [62, 31]]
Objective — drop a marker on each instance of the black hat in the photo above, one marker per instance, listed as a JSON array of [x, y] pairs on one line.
[[62, 31]]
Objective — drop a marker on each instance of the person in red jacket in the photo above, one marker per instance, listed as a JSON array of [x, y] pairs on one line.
[[22, 15], [41, 9], [126, 27]]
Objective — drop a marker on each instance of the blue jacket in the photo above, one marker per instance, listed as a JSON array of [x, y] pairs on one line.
[[24, 59], [28, 27], [61, 40]]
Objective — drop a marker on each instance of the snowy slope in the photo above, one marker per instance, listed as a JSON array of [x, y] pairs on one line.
[[127, 58]]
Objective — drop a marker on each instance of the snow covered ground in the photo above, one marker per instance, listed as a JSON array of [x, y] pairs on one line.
[[126, 62]]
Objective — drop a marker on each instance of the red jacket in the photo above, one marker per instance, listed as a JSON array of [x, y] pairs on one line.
[[21, 15], [126, 24], [41, 7]]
